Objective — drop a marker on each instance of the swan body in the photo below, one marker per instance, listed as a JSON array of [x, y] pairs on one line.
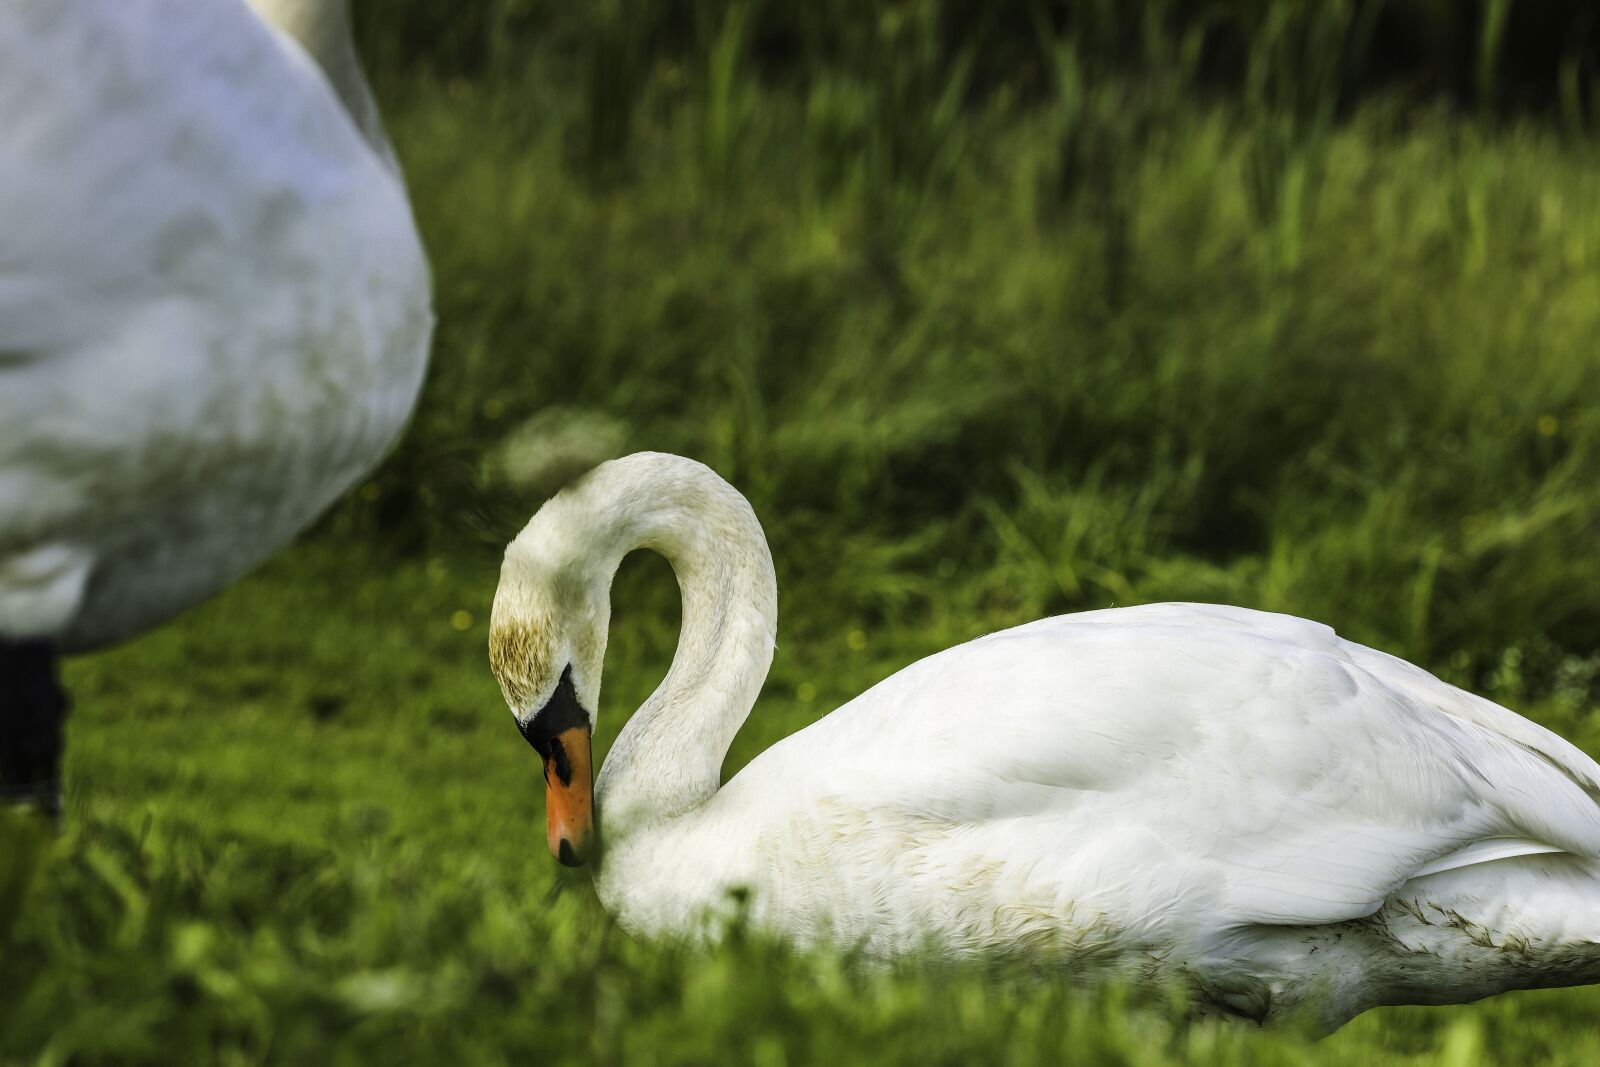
[[214, 304], [1288, 823]]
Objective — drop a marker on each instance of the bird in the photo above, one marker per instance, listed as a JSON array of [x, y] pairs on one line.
[[1279, 823], [215, 316]]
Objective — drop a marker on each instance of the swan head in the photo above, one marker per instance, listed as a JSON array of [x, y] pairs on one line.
[[547, 643]]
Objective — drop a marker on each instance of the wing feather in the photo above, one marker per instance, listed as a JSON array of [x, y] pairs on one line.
[[1293, 777]]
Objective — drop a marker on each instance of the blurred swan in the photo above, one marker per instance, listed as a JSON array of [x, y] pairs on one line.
[[214, 316], [1287, 823]]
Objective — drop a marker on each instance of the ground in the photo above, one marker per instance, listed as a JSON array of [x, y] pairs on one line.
[[302, 828]]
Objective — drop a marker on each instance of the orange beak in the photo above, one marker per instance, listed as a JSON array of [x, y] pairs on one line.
[[569, 796]]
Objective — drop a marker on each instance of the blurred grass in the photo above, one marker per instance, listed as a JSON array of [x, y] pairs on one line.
[[979, 348], [1120, 341]]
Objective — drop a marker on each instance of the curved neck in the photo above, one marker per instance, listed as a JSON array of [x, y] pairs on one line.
[[668, 759], [322, 28]]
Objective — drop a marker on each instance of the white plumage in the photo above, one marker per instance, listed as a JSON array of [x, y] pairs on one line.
[[1238, 801], [214, 305]]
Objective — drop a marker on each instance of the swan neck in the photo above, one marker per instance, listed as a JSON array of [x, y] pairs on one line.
[[668, 759], [322, 28]]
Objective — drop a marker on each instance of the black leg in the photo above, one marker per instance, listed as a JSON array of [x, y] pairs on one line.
[[33, 709]]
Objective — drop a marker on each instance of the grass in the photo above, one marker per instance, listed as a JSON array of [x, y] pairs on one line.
[[302, 829], [975, 357], [1368, 397]]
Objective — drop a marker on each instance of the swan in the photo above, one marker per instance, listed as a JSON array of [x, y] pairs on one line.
[[215, 314], [1282, 822]]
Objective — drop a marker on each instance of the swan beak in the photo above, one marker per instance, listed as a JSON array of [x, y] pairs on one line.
[[569, 796]]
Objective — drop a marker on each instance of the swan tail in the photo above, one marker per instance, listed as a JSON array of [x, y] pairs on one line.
[[1522, 919]]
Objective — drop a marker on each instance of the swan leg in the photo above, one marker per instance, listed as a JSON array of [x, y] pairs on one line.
[[33, 710]]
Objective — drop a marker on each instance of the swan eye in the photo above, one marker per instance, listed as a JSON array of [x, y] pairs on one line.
[[560, 761], [560, 713]]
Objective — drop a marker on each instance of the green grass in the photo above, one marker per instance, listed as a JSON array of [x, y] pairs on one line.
[[975, 359], [1071, 355], [302, 829]]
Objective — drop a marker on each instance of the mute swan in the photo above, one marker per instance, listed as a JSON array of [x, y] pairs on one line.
[[1285, 822], [214, 316]]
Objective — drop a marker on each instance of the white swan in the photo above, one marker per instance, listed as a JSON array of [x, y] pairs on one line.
[[1287, 822], [214, 315]]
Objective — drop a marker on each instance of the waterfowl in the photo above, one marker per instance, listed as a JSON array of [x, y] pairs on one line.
[[215, 314], [1242, 803]]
